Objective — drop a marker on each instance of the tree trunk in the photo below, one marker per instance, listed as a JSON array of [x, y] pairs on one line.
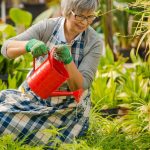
[[108, 21]]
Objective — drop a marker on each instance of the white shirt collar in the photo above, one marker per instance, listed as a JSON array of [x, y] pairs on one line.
[[61, 35]]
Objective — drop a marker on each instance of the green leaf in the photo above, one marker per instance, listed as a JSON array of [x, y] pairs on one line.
[[2, 85], [12, 82], [133, 57], [20, 17], [1, 38], [6, 31], [109, 55]]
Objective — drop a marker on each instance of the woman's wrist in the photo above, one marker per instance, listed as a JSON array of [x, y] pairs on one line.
[[16, 48]]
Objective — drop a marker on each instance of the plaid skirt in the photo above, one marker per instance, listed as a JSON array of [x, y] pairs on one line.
[[26, 116]]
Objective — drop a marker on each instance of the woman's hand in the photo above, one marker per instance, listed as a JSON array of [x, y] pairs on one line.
[[36, 47], [64, 54]]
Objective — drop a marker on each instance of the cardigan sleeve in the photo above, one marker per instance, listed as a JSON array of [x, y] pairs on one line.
[[40, 31], [90, 61]]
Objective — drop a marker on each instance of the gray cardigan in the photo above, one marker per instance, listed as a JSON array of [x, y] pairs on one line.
[[93, 46]]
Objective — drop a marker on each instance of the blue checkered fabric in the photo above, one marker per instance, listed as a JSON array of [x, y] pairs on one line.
[[26, 115]]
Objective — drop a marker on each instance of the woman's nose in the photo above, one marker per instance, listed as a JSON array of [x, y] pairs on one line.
[[84, 22]]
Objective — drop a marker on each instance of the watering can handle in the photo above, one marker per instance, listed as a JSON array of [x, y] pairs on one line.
[[50, 57]]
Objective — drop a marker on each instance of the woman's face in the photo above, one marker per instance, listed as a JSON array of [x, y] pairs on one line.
[[79, 22]]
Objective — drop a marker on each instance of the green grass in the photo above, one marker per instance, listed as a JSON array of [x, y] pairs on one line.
[[7, 143], [103, 134]]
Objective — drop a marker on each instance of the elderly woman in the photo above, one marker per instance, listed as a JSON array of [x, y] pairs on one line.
[[22, 112]]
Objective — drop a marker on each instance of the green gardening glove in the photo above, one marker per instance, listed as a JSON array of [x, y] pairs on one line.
[[63, 54], [36, 47]]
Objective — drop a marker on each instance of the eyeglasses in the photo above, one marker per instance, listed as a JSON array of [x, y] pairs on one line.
[[82, 18]]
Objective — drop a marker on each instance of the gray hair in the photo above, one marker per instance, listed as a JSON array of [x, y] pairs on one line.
[[78, 6]]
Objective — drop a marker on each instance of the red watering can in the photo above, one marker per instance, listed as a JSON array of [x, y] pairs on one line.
[[48, 77]]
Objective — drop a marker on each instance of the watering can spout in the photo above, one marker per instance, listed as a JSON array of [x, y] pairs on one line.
[[77, 94]]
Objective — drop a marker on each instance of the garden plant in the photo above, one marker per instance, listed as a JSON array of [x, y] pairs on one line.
[[120, 115]]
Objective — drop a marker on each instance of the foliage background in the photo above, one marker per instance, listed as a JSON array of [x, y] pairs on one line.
[[120, 93]]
